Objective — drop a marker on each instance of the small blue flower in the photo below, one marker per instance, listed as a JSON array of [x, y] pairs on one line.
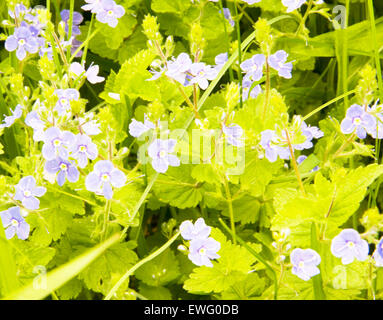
[[65, 96], [56, 143], [293, 4], [137, 128], [220, 61], [14, 223], [227, 15], [103, 177], [83, 149], [9, 120], [27, 191], [178, 69], [233, 134], [160, 151], [22, 41], [197, 231], [94, 6], [278, 62], [65, 170], [77, 20], [378, 254], [109, 12], [348, 245], [270, 143], [310, 133], [359, 121], [33, 120], [201, 251], [201, 73], [253, 67], [305, 263]]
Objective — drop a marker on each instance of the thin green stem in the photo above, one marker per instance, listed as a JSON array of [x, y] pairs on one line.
[[227, 39], [83, 58], [237, 24], [70, 26], [328, 104], [267, 93], [294, 162], [139, 264], [230, 207], [140, 202]]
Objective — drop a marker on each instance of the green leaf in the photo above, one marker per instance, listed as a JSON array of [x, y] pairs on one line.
[[160, 271], [177, 188], [112, 263], [329, 202], [225, 272], [56, 278]]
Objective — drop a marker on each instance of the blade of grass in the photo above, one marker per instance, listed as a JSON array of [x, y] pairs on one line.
[[8, 277], [58, 277], [317, 280]]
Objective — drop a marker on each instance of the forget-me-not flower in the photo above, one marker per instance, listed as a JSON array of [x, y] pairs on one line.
[[359, 121], [305, 263], [14, 223], [65, 96], [27, 192], [253, 67], [109, 13], [348, 245], [201, 251], [160, 151], [9, 120], [378, 254], [278, 62], [293, 4], [83, 149], [22, 41], [56, 143], [198, 230], [65, 170], [103, 177], [137, 128]]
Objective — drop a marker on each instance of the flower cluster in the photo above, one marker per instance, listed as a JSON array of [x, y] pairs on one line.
[[276, 144], [107, 11], [184, 71], [347, 245], [364, 120], [202, 248], [253, 69]]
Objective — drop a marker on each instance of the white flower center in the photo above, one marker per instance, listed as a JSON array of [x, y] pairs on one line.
[[350, 244], [21, 42], [301, 264], [162, 153], [110, 13], [27, 193], [357, 121], [56, 142], [63, 167], [82, 148], [202, 251], [64, 101], [105, 177], [15, 223]]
